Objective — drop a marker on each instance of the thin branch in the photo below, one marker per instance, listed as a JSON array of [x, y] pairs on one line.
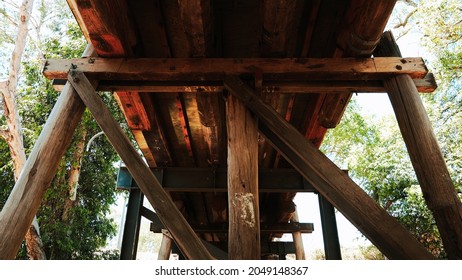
[[406, 20], [8, 18], [409, 3]]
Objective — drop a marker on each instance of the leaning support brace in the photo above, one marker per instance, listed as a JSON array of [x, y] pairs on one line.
[[426, 157], [169, 214], [374, 222]]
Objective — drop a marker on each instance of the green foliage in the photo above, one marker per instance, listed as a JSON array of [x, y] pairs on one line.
[[376, 157], [87, 228]]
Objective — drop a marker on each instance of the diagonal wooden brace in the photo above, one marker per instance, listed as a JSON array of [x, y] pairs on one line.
[[331, 182], [168, 213]]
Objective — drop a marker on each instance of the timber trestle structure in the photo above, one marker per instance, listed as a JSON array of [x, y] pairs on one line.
[[229, 102]]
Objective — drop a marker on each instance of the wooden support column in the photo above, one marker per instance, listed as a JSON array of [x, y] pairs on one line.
[[244, 218], [424, 151], [165, 246], [39, 170], [169, 214], [331, 182], [298, 241]]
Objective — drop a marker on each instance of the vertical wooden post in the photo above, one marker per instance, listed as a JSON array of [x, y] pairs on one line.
[[244, 218], [165, 246], [298, 241], [424, 151], [39, 170]]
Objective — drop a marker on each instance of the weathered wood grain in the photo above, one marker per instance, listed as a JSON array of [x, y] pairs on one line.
[[244, 216], [202, 69], [357, 206]]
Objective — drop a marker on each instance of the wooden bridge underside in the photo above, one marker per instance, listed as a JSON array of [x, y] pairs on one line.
[[181, 71]]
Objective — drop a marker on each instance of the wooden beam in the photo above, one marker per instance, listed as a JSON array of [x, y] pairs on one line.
[[243, 203], [165, 246], [425, 85], [426, 157], [356, 38], [39, 170], [198, 26], [111, 32], [184, 236], [206, 69], [298, 241], [357, 206]]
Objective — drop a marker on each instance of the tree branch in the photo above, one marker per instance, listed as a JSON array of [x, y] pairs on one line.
[[406, 20], [409, 3]]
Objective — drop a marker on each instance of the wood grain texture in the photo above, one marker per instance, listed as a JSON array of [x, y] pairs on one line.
[[358, 207], [244, 217], [426, 157], [425, 85], [111, 32], [203, 69], [169, 214]]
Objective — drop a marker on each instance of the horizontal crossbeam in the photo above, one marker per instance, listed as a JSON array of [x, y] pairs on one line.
[[215, 69], [425, 85]]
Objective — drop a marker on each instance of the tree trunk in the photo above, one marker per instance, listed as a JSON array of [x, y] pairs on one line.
[[74, 174], [13, 135]]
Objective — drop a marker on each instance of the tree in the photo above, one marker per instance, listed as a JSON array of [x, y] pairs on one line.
[[73, 213], [13, 131], [376, 157]]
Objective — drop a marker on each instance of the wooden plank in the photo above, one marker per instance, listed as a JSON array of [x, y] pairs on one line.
[[298, 241], [244, 216], [280, 22], [189, 243], [171, 69], [356, 38], [198, 26], [358, 207], [426, 157], [111, 32], [165, 246], [39, 170], [425, 85]]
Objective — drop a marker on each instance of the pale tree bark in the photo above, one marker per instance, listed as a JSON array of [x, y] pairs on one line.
[[13, 133], [74, 175]]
